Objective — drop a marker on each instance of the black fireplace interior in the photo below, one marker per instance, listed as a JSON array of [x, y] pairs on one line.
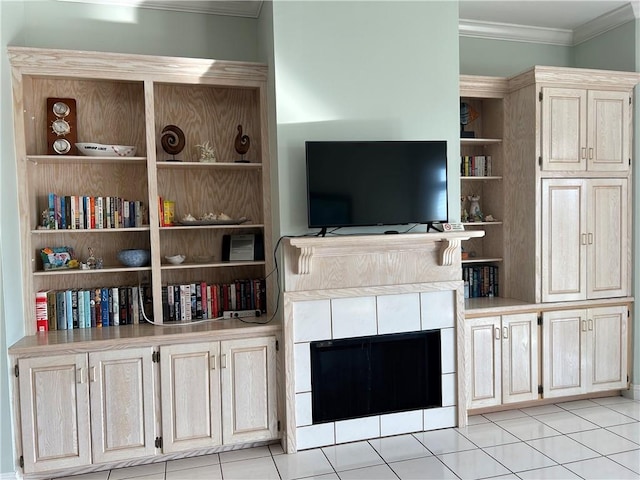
[[358, 377]]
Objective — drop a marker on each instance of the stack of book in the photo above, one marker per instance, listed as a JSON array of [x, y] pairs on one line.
[[75, 212], [475, 166], [200, 300], [89, 308], [480, 280]]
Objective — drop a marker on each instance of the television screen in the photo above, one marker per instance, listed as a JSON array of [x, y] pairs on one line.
[[364, 183]]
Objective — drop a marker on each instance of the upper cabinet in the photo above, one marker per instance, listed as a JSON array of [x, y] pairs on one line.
[[199, 130], [585, 130]]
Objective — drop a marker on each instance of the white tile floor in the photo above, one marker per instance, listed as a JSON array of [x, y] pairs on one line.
[[588, 439]]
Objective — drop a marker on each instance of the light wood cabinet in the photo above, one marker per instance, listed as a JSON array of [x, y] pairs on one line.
[[585, 351], [54, 412], [585, 235], [503, 359], [585, 130], [79, 409], [123, 399], [218, 393], [127, 99]]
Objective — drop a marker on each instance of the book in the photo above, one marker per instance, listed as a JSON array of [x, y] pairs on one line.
[[61, 316], [114, 298], [74, 308], [51, 310], [80, 300], [135, 305], [123, 303], [42, 313], [98, 307], [68, 310], [86, 295], [104, 305]]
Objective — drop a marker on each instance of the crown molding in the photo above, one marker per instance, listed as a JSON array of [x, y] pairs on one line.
[[516, 33], [551, 36], [606, 22]]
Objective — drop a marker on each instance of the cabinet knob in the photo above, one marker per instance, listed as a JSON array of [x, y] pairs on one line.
[[223, 361], [590, 324], [583, 152], [497, 333], [505, 333], [584, 325], [80, 378], [212, 362]]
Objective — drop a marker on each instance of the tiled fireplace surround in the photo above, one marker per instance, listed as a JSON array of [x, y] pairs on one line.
[[361, 286]]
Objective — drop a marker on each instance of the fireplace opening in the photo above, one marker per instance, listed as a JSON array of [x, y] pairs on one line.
[[359, 377]]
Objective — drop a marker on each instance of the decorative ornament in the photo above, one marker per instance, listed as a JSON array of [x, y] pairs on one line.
[[467, 115], [242, 144], [172, 140], [207, 153], [475, 214]]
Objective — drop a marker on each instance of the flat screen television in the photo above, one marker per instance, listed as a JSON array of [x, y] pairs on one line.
[[366, 183]]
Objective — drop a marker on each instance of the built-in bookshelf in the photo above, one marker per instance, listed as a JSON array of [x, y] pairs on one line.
[[481, 170], [129, 100]]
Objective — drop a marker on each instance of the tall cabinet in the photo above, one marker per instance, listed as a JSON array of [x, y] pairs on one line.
[[101, 396], [565, 187]]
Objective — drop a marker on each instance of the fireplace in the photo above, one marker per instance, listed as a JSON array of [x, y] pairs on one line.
[[355, 293], [358, 377]]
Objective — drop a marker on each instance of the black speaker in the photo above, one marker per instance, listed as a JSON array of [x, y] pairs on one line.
[[249, 246]]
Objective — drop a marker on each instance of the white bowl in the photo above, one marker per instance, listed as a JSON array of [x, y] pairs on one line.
[[175, 259], [100, 150]]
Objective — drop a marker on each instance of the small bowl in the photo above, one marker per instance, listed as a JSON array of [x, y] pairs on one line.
[[134, 257], [100, 150], [175, 259]]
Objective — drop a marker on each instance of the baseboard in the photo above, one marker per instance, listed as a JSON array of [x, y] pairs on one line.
[[633, 392]]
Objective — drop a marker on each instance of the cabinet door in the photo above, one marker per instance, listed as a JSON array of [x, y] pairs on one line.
[[54, 410], [564, 129], [607, 341], [190, 385], [484, 361], [248, 390], [564, 240], [563, 358], [608, 239], [609, 123], [519, 357], [122, 404]]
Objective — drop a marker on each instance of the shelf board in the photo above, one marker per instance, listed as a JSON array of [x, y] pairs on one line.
[[477, 178], [48, 231], [218, 227], [482, 260], [227, 264], [81, 159], [480, 141], [473, 224], [79, 271], [214, 165]]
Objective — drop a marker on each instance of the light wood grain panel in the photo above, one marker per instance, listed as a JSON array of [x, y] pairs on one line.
[[235, 193], [118, 65], [249, 405], [484, 361], [212, 114], [520, 275], [122, 404], [190, 390], [107, 112], [607, 344], [55, 412], [609, 117], [563, 355], [520, 358], [574, 78]]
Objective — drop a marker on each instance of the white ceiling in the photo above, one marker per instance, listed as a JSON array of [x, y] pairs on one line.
[[562, 22]]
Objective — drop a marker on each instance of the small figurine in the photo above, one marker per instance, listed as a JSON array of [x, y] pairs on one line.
[[242, 143], [172, 140], [206, 152], [475, 214], [91, 261]]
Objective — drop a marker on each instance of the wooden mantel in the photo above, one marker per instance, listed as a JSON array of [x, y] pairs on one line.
[[313, 247], [314, 263]]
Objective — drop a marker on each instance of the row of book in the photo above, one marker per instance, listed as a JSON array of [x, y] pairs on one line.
[[480, 281], [98, 307], [199, 300], [476, 166], [75, 212]]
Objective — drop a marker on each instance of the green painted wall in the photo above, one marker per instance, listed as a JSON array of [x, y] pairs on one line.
[[362, 70], [500, 58]]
